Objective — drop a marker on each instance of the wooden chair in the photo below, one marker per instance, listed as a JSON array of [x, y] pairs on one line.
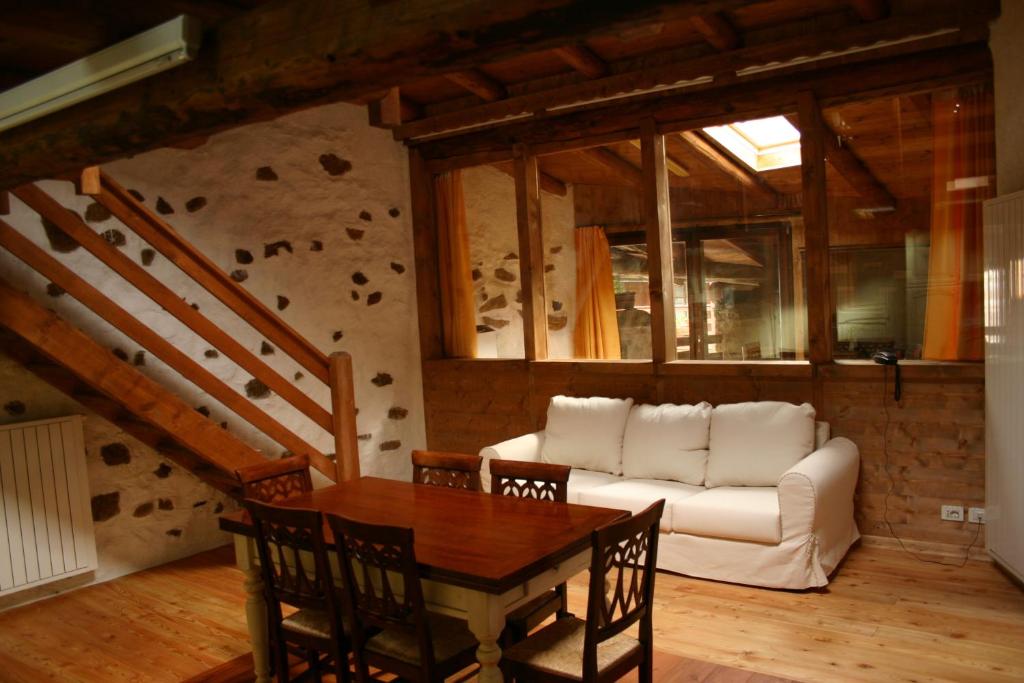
[[624, 558], [276, 480], [282, 536], [452, 470], [540, 481], [409, 641]]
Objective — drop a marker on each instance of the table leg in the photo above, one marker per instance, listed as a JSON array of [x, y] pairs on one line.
[[255, 609], [486, 621]]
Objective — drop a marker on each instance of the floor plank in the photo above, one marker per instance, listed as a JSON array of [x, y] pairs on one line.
[[885, 617]]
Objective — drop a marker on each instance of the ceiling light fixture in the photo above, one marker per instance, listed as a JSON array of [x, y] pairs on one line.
[[160, 48]]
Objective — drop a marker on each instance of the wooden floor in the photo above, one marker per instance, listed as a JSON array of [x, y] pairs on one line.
[[886, 617]]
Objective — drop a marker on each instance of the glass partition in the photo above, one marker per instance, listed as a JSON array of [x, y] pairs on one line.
[[906, 179], [595, 253], [736, 226]]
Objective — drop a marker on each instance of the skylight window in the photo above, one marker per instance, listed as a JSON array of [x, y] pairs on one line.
[[761, 144]]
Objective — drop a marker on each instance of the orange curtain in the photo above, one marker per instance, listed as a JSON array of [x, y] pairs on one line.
[[597, 327], [458, 315], [963, 160]]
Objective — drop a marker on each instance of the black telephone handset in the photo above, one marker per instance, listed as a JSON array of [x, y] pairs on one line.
[[890, 358]]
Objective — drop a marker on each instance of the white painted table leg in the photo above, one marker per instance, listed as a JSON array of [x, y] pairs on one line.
[[486, 621], [255, 608]]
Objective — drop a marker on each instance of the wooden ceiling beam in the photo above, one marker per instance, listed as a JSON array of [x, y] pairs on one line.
[[285, 56], [717, 31], [614, 163], [847, 164], [674, 166], [870, 10], [479, 83], [643, 75], [736, 170], [386, 112], [583, 59]]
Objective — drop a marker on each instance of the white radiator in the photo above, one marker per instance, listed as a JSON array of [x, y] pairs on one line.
[[46, 530], [1004, 380]]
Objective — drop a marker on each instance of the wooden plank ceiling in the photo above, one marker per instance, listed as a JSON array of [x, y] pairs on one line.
[[711, 37]]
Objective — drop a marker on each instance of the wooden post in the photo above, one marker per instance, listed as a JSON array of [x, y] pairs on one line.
[[5, 203], [815, 208], [659, 243], [425, 248], [89, 182], [343, 410], [531, 254]]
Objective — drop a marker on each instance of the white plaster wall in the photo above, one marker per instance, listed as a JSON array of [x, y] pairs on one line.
[[337, 225], [494, 255], [1007, 44]]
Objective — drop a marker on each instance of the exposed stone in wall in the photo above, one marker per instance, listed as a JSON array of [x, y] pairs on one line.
[[105, 506], [135, 193], [359, 278], [282, 302], [114, 237], [494, 304], [147, 255], [256, 389], [374, 298], [397, 267], [397, 413], [54, 290], [97, 213], [211, 353], [15, 408], [163, 471], [504, 275], [240, 275], [59, 240], [143, 510], [266, 349], [392, 445], [195, 204], [335, 165], [557, 322], [139, 358], [265, 173], [337, 335], [495, 323], [163, 206], [316, 245], [382, 379], [365, 215], [115, 454], [394, 212], [165, 504], [275, 248], [355, 233], [243, 256], [120, 353]]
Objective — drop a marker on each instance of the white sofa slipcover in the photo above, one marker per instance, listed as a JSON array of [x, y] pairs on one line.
[[791, 535]]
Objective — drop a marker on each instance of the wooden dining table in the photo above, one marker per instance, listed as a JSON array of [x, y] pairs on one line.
[[480, 556]]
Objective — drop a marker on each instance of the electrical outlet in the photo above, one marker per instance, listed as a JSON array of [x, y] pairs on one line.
[[952, 513], [976, 515]]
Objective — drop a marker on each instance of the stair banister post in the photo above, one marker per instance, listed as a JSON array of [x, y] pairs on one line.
[[343, 414]]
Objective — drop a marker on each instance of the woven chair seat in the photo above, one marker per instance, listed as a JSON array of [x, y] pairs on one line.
[[558, 649]]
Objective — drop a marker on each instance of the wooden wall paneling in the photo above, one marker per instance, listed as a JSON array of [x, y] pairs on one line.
[[659, 243], [531, 254], [428, 283], [815, 208]]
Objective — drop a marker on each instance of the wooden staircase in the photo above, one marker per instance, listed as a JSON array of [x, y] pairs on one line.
[[67, 358]]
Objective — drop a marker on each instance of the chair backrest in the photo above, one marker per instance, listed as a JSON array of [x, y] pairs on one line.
[[538, 480], [275, 480], [283, 535], [452, 470], [371, 597], [623, 562]]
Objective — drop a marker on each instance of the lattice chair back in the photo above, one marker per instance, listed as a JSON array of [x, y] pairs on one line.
[[276, 480], [451, 470], [621, 581], [537, 480], [381, 583], [293, 558]]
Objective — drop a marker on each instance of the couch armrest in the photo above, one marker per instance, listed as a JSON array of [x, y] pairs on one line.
[[816, 494], [525, 448]]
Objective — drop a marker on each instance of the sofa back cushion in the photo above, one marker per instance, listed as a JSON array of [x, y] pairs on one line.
[[753, 444], [586, 432], [667, 441]]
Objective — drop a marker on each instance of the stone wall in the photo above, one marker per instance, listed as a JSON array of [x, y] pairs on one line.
[[308, 212], [494, 255]]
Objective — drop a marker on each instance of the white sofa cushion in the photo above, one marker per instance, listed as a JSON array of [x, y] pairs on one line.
[[753, 444], [585, 480], [636, 495], [744, 513], [667, 441], [586, 432]]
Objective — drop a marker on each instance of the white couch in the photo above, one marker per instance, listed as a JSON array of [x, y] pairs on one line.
[[755, 493]]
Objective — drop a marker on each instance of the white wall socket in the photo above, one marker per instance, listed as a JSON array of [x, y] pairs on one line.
[[976, 515], [952, 513]]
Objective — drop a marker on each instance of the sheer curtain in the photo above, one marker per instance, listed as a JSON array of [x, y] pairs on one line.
[[458, 314], [963, 167], [596, 334]]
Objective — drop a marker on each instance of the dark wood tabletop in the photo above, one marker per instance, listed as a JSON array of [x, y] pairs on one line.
[[477, 540]]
